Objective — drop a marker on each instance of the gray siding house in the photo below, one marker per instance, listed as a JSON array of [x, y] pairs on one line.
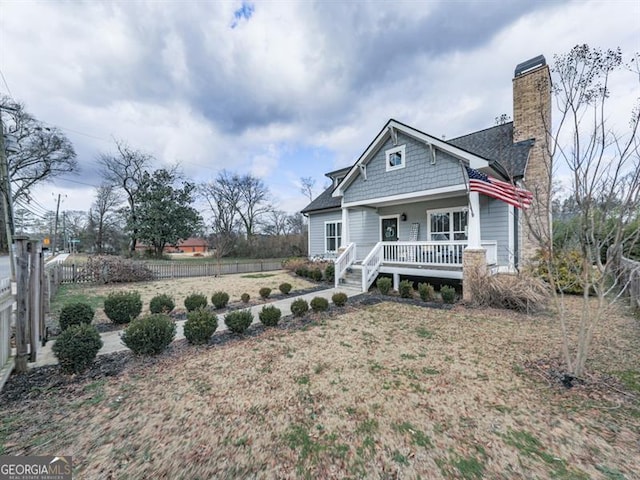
[[404, 207]]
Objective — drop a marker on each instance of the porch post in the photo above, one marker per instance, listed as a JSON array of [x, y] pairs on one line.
[[474, 220], [345, 228], [474, 257]]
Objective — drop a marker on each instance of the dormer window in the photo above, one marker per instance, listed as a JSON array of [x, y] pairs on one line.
[[395, 158]]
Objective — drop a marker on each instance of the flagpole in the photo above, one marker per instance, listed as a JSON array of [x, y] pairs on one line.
[[466, 184]]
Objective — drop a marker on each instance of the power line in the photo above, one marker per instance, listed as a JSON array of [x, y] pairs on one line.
[[75, 131], [35, 214], [78, 182], [35, 202], [37, 208], [6, 84], [26, 206]]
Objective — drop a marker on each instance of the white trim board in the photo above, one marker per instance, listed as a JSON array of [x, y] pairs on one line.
[[416, 196]]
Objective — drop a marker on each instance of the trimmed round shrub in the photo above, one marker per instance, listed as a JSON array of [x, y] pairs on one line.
[[264, 292], [319, 304], [427, 292], [384, 285], [149, 335], [238, 321], [75, 314], [406, 289], [330, 272], [299, 307], [122, 307], [448, 294], [270, 315], [200, 325], [195, 301], [285, 288], [161, 304], [316, 274], [339, 299], [76, 347], [220, 299], [302, 271], [245, 297]]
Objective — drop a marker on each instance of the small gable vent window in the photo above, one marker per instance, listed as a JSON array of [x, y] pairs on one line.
[[395, 158]]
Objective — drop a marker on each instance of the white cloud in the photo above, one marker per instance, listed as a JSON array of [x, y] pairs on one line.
[[175, 80]]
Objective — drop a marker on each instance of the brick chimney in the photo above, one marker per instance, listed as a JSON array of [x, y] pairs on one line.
[[532, 120]]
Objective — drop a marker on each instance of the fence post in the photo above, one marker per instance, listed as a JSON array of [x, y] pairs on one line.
[[43, 297], [22, 313], [34, 298]]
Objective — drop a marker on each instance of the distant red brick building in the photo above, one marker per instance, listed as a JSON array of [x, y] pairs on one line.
[[190, 245]]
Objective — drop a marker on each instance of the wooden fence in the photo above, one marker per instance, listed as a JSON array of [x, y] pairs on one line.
[[62, 273], [631, 277], [6, 314]]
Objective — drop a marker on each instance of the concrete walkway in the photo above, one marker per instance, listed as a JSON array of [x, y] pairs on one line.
[[112, 342]]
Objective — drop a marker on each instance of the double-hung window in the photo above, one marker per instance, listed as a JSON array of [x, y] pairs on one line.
[[447, 225], [332, 236]]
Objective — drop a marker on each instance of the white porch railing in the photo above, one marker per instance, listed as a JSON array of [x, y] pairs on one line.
[[433, 254], [344, 261], [370, 266]]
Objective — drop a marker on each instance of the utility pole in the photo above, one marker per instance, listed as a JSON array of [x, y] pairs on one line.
[[64, 232], [7, 201], [55, 228]]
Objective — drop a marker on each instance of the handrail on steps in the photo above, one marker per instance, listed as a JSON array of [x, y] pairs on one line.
[[370, 266], [343, 262]]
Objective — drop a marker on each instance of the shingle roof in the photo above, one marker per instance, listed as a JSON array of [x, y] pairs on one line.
[[324, 201], [493, 144], [496, 143]]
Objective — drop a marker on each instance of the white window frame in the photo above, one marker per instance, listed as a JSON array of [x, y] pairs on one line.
[[451, 232], [337, 237], [391, 151]]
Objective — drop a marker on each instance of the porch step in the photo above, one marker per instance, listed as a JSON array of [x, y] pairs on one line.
[[353, 277]]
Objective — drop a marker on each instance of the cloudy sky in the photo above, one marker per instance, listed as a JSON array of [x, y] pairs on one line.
[[279, 89]]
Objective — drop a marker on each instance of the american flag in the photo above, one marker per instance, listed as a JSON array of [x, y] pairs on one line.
[[481, 183]]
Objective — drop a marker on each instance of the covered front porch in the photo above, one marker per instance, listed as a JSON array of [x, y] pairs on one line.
[[423, 239], [418, 259]]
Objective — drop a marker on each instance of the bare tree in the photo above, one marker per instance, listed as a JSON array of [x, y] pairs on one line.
[[253, 205], [222, 198], [296, 224], [306, 186], [75, 226], [44, 151], [604, 165], [124, 170], [276, 223], [102, 213]]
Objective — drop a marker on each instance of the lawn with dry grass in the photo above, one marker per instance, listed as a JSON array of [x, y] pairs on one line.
[[235, 285], [382, 391]]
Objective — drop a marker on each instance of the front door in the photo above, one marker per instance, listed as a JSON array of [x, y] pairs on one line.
[[390, 229]]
